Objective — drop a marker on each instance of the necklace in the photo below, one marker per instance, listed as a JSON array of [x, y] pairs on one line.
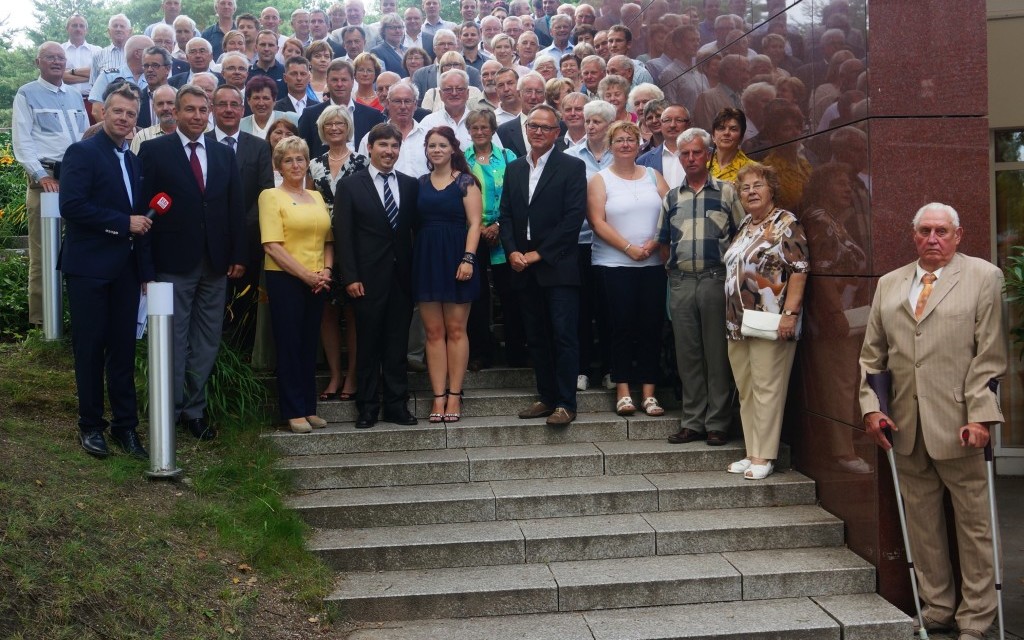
[[339, 158], [483, 156]]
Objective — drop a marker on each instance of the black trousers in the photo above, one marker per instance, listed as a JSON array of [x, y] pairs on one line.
[[103, 317], [634, 298], [512, 316], [382, 341], [295, 314]]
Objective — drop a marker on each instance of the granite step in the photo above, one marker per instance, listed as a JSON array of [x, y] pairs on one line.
[[399, 504], [600, 584], [504, 401], [386, 548], [633, 457], [851, 617]]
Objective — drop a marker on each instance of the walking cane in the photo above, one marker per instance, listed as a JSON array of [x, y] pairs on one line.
[[880, 383], [993, 384]]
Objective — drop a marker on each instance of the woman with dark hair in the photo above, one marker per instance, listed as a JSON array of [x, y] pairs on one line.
[[414, 59], [729, 127], [319, 54], [279, 130], [445, 278], [260, 95]]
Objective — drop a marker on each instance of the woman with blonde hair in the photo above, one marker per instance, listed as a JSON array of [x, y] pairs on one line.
[[366, 68], [295, 229], [336, 129]]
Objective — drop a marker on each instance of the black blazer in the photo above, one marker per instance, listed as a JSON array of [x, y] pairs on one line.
[[95, 207], [555, 217], [210, 222], [366, 249], [144, 120], [511, 136], [178, 66], [284, 104], [257, 171], [392, 61], [363, 118]]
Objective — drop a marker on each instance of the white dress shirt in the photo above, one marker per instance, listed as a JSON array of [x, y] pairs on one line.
[[918, 284], [200, 152], [378, 184], [80, 57]]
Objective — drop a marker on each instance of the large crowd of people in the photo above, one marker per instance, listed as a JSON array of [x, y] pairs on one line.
[[624, 181]]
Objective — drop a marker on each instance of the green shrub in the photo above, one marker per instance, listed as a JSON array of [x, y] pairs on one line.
[[12, 194], [13, 296]]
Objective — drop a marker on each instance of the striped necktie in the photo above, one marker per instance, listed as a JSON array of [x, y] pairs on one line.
[[389, 201]]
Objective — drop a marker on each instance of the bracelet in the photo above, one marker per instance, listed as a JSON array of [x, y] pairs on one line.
[[626, 248], [331, 269], [469, 258]]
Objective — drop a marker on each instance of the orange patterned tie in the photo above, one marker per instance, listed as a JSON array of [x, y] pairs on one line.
[[922, 299]]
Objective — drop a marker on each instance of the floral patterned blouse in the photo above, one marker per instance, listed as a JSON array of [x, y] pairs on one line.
[[320, 172], [759, 264]]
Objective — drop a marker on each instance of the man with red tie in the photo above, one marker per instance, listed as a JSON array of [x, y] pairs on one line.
[[196, 245]]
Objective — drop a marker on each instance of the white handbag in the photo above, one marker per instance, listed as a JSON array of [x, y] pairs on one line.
[[760, 324]]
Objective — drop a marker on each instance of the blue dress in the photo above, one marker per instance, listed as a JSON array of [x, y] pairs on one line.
[[441, 243]]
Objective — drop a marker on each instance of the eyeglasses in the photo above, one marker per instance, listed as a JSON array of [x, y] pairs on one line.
[[533, 126], [52, 58], [150, 66], [675, 121], [532, 92], [401, 102], [228, 105], [337, 124], [624, 141], [452, 65], [451, 91], [747, 188]]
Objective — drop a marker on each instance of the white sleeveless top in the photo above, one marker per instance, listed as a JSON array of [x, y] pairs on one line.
[[632, 207]]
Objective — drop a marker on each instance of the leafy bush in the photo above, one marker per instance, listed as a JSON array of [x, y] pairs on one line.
[[13, 296], [12, 194]]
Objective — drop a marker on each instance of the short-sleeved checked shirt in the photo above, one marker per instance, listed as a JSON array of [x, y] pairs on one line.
[[699, 226]]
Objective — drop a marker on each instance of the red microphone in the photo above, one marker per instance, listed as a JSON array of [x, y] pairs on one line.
[[159, 205]]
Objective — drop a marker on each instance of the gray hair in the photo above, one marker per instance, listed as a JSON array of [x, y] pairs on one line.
[[610, 81], [335, 112], [118, 16], [755, 90], [454, 72], [445, 32], [561, 17], [533, 75], [599, 108], [954, 217], [185, 17], [595, 59], [645, 87], [163, 28], [233, 54], [391, 20], [411, 86], [694, 133]]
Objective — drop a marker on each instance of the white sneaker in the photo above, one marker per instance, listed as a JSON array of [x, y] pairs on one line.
[[607, 381], [582, 383]]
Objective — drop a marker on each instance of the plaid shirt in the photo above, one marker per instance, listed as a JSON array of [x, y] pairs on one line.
[[699, 226]]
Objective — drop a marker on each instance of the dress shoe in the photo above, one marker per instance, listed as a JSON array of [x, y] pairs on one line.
[[561, 417], [536, 410], [685, 435], [299, 425], [416, 366], [934, 625], [94, 444], [316, 422], [717, 438], [200, 429], [128, 441], [365, 421], [402, 417]]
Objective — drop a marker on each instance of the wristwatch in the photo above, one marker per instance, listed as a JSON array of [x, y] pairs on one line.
[[787, 312]]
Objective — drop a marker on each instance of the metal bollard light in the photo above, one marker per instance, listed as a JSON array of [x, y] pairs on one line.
[[53, 308], [160, 309]]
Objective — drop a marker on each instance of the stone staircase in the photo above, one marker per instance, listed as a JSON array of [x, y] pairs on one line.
[[495, 528]]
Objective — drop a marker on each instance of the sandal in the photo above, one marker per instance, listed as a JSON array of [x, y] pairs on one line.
[[651, 407], [328, 395], [625, 406], [739, 466], [345, 396], [454, 417], [437, 418], [759, 471]]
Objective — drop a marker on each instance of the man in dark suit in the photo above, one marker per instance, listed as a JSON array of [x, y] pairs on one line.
[[104, 267], [256, 169], [426, 78], [374, 211], [531, 94], [296, 79], [156, 66], [199, 59], [390, 51], [195, 244], [540, 225], [340, 77]]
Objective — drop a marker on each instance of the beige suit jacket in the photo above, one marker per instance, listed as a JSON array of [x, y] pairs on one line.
[[941, 364]]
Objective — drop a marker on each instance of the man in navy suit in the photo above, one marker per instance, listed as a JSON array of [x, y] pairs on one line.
[[340, 77], [373, 217], [156, 66], [664, 158], [105, 266], [199, 59], [252, 155], [195, 244], [390, 51], [540, 222]]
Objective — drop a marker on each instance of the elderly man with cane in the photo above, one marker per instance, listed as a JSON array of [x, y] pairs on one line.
[[936, 326]]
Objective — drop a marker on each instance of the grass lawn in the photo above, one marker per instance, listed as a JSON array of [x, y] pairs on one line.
[[91, 549]]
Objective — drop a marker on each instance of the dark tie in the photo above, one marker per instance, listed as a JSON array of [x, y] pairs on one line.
[[126, 174], [230, 141], [197, 169], [922, 299], [389, 201]]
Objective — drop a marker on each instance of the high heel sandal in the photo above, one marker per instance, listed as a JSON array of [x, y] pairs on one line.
[[454, 417], [437, 418]]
